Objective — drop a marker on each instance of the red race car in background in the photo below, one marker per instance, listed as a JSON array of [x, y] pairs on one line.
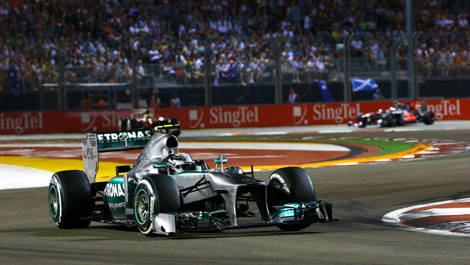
[[397, 115]]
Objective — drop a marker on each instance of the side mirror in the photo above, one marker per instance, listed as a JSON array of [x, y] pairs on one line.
[[220, 160]]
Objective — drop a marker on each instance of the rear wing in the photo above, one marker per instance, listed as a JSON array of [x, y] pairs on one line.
[[96, 143]]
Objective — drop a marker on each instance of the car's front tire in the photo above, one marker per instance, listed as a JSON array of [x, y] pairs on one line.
[[428, 118], [399, 120], [146, 205], [290, 185], [70, 201]]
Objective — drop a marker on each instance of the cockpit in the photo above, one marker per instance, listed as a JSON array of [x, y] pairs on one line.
[[181, 162]]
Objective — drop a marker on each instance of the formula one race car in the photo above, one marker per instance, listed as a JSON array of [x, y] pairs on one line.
[[143, 119], [166, 192], [397, 115]]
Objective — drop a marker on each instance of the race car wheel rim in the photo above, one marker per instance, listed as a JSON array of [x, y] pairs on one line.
[[142, 207], [53, 201]]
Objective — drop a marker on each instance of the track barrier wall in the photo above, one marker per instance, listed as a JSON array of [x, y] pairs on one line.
[[218, 116]]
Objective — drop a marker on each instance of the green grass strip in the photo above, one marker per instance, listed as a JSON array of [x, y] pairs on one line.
[[388, 147]]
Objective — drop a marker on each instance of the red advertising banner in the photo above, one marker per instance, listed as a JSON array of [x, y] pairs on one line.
[[218, 116]]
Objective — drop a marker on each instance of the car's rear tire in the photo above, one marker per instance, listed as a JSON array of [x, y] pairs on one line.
[[290, 185], [70, 199], [386, 121], [146, 205], [428, 118], [399, 120]]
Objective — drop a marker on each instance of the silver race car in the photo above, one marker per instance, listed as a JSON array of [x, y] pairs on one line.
[[166, 192]]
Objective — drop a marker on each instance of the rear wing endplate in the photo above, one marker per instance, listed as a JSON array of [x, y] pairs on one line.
[[96, 143]]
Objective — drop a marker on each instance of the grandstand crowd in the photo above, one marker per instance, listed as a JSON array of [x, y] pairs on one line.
[[111, 40]]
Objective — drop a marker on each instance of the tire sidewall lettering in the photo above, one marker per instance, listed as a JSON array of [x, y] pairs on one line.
[[282, 181]]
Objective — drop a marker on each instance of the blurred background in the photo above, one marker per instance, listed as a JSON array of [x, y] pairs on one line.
[[115, 54]]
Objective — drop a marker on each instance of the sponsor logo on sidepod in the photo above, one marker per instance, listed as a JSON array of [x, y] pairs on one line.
[[113, 190], [114, 195]]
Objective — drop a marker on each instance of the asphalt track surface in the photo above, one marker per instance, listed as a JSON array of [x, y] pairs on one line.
[[360, 194]]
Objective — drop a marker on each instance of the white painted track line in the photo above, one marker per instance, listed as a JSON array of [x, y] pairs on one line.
[[263, 146], [395, 217], [15, 177]]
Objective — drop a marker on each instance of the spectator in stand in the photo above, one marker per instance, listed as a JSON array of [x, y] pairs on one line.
[[243, 70], [155, 57], [325, 93], [155, 101], [297, 67], [357, 47], [377, 95], [101, 103], [293, 97], [256, 69], [85, 104], [175, 101], [104, 37], [14, 79]]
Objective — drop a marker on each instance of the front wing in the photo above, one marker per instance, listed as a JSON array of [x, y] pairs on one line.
[[288, 214]]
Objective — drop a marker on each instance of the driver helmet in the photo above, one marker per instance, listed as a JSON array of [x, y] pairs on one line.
[[180, 162]]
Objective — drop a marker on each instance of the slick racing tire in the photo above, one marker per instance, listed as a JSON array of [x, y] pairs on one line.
[[363, 122], [386, 121], [428, 118], [290, 185], [70, 199], [146, 205], [399, 120]]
